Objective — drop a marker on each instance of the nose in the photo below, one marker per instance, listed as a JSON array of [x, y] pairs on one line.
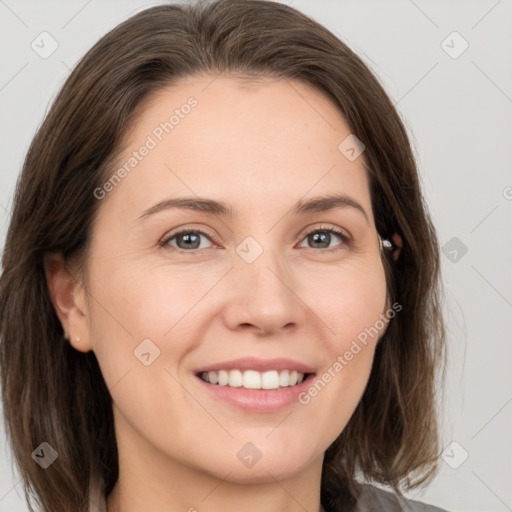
[[263, 296]]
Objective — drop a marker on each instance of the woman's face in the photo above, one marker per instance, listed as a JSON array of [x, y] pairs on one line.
[[260, 283]]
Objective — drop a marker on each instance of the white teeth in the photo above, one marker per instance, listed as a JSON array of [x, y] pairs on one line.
[[252, 379], [223, 378], [270, 380], [235, 379]]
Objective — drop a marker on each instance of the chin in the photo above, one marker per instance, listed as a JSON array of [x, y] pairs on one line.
[[262, 473], [257, 468]]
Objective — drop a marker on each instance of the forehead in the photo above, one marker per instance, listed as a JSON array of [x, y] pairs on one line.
[[242, 141]]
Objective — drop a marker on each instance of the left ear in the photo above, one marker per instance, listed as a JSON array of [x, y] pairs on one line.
[[398, 242], [69, 300], [386, 309]]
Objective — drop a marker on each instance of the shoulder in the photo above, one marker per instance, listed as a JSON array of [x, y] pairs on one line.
[[373, 499]]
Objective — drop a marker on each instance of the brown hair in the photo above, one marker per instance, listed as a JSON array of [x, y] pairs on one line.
[[53, 393]]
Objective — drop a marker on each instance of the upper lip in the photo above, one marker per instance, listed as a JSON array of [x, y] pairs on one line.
[[261, 365]]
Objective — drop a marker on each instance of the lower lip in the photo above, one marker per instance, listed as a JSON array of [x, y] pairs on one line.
[[258, 400]]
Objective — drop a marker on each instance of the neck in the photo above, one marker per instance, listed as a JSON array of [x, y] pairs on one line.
[[151, 480], [198, 493]]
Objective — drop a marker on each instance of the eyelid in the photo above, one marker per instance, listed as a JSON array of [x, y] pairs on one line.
[[346, 238], [326, 227], [170, 235]]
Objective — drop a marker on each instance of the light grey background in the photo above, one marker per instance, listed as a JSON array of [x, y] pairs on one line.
[[459, 113]]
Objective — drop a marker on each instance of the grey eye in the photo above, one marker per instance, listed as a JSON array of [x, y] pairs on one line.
[[322, 238], [187, 240]]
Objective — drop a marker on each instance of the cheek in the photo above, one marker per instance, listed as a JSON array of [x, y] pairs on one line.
[[352, 305], [349, 301], [141, 334], [132, 305], [173, 309], [176, 310]]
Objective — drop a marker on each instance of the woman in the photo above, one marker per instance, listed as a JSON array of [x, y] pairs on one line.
[[220, 283]]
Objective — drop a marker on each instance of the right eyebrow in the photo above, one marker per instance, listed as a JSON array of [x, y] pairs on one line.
[[190, 203]]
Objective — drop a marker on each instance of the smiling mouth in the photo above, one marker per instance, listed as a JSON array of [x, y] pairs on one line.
[[253, 379]]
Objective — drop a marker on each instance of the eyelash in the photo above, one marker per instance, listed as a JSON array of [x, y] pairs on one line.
[[346, 241]]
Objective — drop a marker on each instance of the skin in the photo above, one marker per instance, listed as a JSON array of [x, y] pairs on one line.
[[260, 146]]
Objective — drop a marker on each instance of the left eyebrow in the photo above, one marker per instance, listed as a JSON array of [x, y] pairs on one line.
[[210, 206], [326, 203]]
